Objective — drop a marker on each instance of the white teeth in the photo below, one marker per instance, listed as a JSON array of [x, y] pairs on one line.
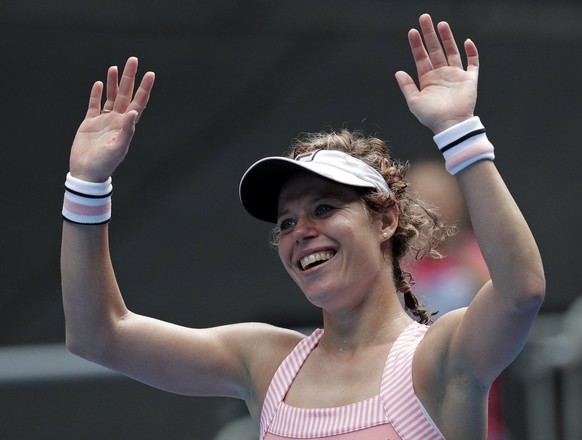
[[318, 256]]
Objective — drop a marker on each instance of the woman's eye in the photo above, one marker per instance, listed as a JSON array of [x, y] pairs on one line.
[[322, 210], [286, 224]]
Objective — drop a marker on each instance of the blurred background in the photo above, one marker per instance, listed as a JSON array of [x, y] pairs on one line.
[[236, 81]]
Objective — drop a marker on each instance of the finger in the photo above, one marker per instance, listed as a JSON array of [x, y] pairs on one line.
[[421, 58], [94, 107], [433, 44], [472, 55], [407, 85], [112, 87], [449, 45], [142, 95], [125, 90]]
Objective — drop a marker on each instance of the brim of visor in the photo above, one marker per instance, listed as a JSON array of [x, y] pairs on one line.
[[260, 186]]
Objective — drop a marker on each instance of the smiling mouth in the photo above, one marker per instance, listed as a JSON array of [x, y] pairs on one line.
[[315, 259]]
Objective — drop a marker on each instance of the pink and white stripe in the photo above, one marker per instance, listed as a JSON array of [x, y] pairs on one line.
[[321, 422], [468, 152], [395, 411], [464, 144], [284, 377], [84, 210], [87, 203], [406, 413]]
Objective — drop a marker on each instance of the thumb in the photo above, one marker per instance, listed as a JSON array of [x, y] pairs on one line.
[[406, 84], [128, 127], [472, 55]]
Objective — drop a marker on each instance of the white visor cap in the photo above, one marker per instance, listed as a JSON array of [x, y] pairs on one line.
[[260, 185]]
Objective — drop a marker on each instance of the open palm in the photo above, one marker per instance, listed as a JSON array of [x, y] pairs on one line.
[[103, 137], [446, 93]]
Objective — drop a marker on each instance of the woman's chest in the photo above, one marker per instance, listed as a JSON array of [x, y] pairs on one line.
[[325, 382]]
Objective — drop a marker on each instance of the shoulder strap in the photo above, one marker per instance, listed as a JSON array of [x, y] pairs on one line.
[[284, 377], [405, 412]]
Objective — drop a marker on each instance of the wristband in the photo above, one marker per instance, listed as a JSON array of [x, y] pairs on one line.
[[464, 144], [87, 203]]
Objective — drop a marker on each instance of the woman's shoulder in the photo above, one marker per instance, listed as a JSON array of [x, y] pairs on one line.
[[273, 344], [262, 344], [265, 348], [267, 334]]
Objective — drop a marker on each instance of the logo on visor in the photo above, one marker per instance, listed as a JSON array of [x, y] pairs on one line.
[[306, 157]]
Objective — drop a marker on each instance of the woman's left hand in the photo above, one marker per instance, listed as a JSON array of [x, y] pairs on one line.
[[447, 93]]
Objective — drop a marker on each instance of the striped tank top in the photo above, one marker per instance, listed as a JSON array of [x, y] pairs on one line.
[[394, 414]]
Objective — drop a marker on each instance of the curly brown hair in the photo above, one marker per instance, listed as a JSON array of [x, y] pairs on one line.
[[420, 229]]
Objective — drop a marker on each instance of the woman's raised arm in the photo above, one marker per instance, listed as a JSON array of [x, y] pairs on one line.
[[218, 361], [486, 337]]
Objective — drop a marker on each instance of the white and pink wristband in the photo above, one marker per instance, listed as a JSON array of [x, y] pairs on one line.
[[464, 144], [87, 203]]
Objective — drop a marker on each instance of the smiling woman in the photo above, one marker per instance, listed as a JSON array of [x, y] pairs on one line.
[[344, 221], [363, 163]]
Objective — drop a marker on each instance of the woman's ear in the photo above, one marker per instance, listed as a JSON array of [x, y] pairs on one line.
[[389, 220]]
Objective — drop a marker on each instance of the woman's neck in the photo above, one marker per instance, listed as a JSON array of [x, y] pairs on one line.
[[370, 323]]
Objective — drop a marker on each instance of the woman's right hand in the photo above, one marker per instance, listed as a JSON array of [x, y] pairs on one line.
[[103, 138]]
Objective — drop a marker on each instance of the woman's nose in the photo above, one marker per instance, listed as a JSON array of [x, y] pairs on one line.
[[304, 229]]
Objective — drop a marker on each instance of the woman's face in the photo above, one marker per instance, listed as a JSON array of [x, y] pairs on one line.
[[328, 244]]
